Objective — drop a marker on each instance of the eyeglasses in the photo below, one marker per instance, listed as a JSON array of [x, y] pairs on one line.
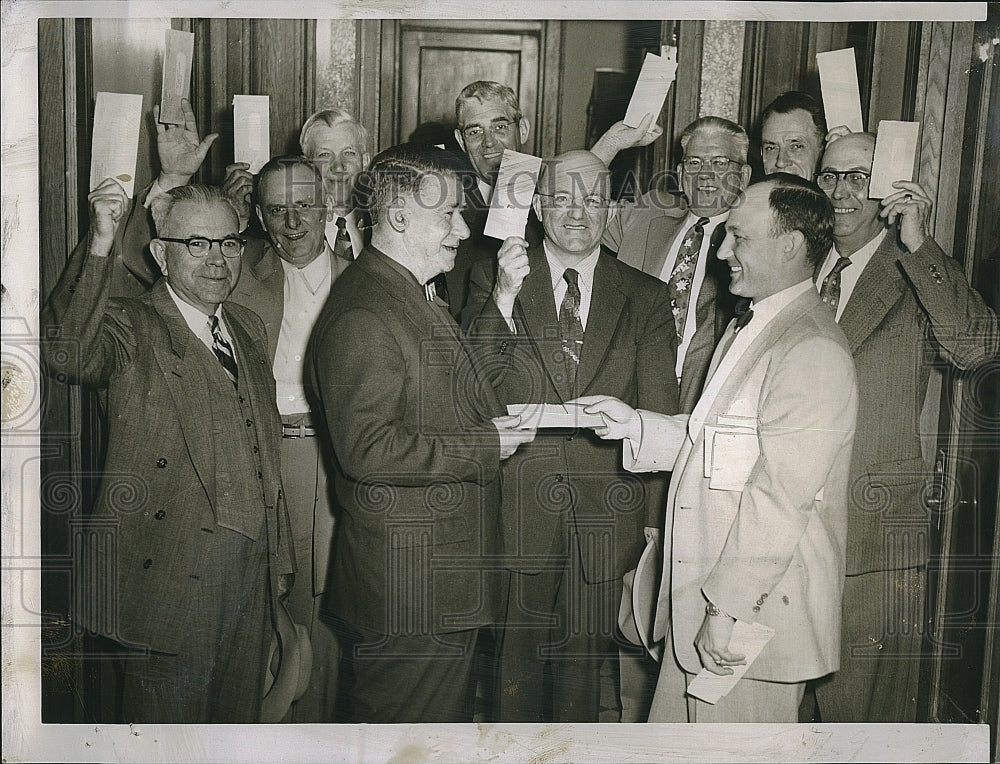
[[718, 164], [591, 203], [856, 179], [303, 208], [475, 133], [199, 246]]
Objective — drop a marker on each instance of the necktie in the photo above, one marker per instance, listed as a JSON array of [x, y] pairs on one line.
[[570, 325], [830, 291], [682, 276], [223, 350], [342, 247]]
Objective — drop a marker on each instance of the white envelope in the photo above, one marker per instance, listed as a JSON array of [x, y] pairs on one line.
[[731, 451], [117, 118], [748, 639], [512, 194], [545, 415]]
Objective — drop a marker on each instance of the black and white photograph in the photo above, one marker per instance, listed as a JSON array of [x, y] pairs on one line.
[[455, 382]]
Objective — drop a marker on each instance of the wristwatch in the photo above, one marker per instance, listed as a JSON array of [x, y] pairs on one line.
[[713, 610]]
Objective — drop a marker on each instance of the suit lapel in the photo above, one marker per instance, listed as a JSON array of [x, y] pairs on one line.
[[879, 288], [607, 301], [536, 309], [659, 239], [187, 386]]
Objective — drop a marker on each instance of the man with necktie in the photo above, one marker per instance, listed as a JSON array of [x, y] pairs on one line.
[[676, 239], [756, 530], [907, 311], [418, 437], [184, 577], [286, 281], [565, 319]]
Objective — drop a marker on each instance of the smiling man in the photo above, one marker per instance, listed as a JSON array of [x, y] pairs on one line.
[[908, 311], [187, 570], [756, 531], [565, 319], [792, 131], [286, 281], [675, 239], [418, 439]]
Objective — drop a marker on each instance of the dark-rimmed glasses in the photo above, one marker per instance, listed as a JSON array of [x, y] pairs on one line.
[[199, 246], [855, 179]]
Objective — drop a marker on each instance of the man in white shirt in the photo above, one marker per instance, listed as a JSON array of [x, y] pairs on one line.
[[562, 319], [286, 282], [907, 311], [676, 239], [756, 530]]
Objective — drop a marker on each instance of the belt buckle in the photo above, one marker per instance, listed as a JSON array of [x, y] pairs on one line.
[[292, 431]]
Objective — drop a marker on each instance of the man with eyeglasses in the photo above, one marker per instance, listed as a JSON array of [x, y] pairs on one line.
[[907, 309], [564, 319], [286, 280], [188, 543], [489, 119], [676, 239]]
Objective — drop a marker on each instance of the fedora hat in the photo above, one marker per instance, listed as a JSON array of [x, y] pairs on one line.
[[639, 594], [289, 664]]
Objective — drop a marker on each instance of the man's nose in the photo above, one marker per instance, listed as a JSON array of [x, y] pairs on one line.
[[489, 139], [459, 226], [782, 160], [841, 190], [292, 218], [215, 256]]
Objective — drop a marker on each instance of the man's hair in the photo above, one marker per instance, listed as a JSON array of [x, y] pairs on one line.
[[285, 164], [800, 205], [400, 170], [162, 205], [793, 100], [487, 90], [331, 118], [718, 125]]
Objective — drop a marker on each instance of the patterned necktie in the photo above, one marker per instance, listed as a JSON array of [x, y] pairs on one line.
[[342, 247], [830, 291], [682, 276], [223, 350], [570, 325]]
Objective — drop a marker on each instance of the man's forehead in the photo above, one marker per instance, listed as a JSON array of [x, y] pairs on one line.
[[752, 205], [710, 143], [293, 181], [338, 136], [475, 109], [849, 152], [796, 121], [202, 216], [574, 173]]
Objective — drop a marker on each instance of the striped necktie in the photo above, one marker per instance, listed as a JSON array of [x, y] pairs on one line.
[[223, 350]]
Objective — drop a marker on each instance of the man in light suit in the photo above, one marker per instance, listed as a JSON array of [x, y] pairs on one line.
[[907, 309], [184, 576], [564, 319], [418, 439], [676, 238], [757, 528], [286, 281]]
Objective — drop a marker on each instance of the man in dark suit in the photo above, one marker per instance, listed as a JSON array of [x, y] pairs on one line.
[[183, 577], [905, 307], [676, 240], [418, 443], [286, 281], [489, 119], [562, 320]]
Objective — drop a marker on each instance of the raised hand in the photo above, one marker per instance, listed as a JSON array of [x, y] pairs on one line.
[[620, 137], [911, 206], [108, 203], [238, 187], [512, 268], [180, 150]]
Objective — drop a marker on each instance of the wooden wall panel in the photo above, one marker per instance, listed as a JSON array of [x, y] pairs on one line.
[[282, 65]]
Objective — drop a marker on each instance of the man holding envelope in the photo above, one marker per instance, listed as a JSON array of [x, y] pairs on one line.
[[565, 319], [905, 307], [757, 512]]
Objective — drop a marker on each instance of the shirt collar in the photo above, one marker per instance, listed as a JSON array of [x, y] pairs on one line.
[[315, 273], [585, 268], [193, 317], [771, 306], [864, 254]]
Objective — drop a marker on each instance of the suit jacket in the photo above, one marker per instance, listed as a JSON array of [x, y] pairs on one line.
[[160, 446], [418, 457], [573, 480], [641, 233], [908, 311], [773, 552]]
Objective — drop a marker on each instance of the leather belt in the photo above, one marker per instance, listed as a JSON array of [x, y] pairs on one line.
[[297, 431]]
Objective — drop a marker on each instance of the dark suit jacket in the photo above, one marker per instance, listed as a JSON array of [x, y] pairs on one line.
[[158, 490], [572, 480], [641, 233], [906, 313], [418, 458]]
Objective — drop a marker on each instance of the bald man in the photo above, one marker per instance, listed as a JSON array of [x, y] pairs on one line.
[[565, 319]]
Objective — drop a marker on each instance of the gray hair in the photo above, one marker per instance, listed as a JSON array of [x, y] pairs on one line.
[[163, 204], [712, 125], [331, 118], [484, 90]]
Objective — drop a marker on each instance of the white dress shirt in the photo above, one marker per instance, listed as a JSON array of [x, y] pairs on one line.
[[585, 280], [850, 275], [306, 289], [690, 322], [197, 321]]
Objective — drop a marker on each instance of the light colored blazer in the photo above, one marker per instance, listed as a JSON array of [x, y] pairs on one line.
[[772, 552]]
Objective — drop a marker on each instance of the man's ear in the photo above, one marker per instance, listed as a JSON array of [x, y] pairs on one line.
[[260, 217], [459, 138], [366, 159], [523, 128], [536, 205], [397, 214], [796, 242], [159, 251], [745, 176]]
